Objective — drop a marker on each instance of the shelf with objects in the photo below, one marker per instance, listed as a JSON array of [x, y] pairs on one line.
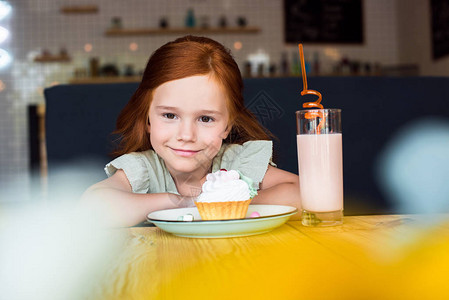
[[115, 32], [79, 9], [52, 58], [124, 79], [105, 79]]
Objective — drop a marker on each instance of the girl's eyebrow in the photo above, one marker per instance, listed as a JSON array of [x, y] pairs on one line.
[[162, 107], [210, 112]]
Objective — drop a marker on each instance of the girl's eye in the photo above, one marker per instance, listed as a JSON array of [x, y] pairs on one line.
[[206, 119], [169, 116]]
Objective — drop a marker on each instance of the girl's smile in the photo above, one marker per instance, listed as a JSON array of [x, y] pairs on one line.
[[185, 152]]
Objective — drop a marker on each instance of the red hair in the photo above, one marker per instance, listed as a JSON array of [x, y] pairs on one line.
[[185, 57]]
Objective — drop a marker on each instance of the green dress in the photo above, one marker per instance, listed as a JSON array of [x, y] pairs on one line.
[[147, 173]]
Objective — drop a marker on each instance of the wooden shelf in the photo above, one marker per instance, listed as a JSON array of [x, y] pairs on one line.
[[96, 80], [148, 31], [82, 9], [52, 58]]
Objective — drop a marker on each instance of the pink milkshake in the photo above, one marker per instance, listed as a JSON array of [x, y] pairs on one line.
[[321, 171], [320, 162]]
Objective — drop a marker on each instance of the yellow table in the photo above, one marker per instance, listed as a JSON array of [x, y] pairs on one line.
[[368, 257]]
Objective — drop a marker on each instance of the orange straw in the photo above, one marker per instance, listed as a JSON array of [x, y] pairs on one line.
[[305, 91]]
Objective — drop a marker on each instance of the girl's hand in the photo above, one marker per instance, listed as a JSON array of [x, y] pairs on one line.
[[113, 200], [279, 187]]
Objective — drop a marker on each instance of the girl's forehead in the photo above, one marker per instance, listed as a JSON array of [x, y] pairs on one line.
[[200, 91]]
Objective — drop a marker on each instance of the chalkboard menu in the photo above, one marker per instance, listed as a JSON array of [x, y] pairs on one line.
[[323, 21], [440, 28]]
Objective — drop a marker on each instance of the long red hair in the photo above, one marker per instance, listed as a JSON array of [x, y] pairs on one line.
[[184, 57]]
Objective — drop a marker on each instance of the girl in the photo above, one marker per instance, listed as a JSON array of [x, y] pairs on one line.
[[185, 120]]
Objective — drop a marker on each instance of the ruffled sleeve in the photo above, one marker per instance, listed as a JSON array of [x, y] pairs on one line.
[[252, 159], [145, 171]]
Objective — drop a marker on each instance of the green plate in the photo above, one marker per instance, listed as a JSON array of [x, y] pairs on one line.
[[271, 217]]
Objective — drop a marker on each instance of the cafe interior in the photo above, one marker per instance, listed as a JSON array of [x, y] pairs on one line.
[[67, 68]]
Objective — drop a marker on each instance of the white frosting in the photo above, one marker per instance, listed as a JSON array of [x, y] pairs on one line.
[[223, 186]]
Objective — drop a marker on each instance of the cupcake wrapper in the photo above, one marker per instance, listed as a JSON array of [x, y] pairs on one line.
[[223, 210]]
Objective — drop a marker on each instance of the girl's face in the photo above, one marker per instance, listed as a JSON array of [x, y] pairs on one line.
[[188, 121]]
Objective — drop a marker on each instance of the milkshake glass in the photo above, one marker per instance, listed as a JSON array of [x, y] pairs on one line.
[[320, 162]]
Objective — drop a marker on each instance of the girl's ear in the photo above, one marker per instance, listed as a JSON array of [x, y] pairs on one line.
[[227, 131]]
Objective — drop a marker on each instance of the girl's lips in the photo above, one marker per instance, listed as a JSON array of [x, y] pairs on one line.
[[185, 153]]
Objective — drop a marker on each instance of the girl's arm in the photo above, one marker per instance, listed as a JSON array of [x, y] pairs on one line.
[[279, 187], [117, 205]]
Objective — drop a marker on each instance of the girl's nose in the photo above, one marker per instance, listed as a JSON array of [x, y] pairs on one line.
[[186, 132]]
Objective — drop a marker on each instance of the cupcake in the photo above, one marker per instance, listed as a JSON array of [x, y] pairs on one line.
[[225, 195]]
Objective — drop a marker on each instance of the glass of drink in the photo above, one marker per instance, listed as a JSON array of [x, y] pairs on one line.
[[320, 161]]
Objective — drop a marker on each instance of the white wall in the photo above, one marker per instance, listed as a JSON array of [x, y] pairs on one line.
[[415, 39], [396, 32]]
